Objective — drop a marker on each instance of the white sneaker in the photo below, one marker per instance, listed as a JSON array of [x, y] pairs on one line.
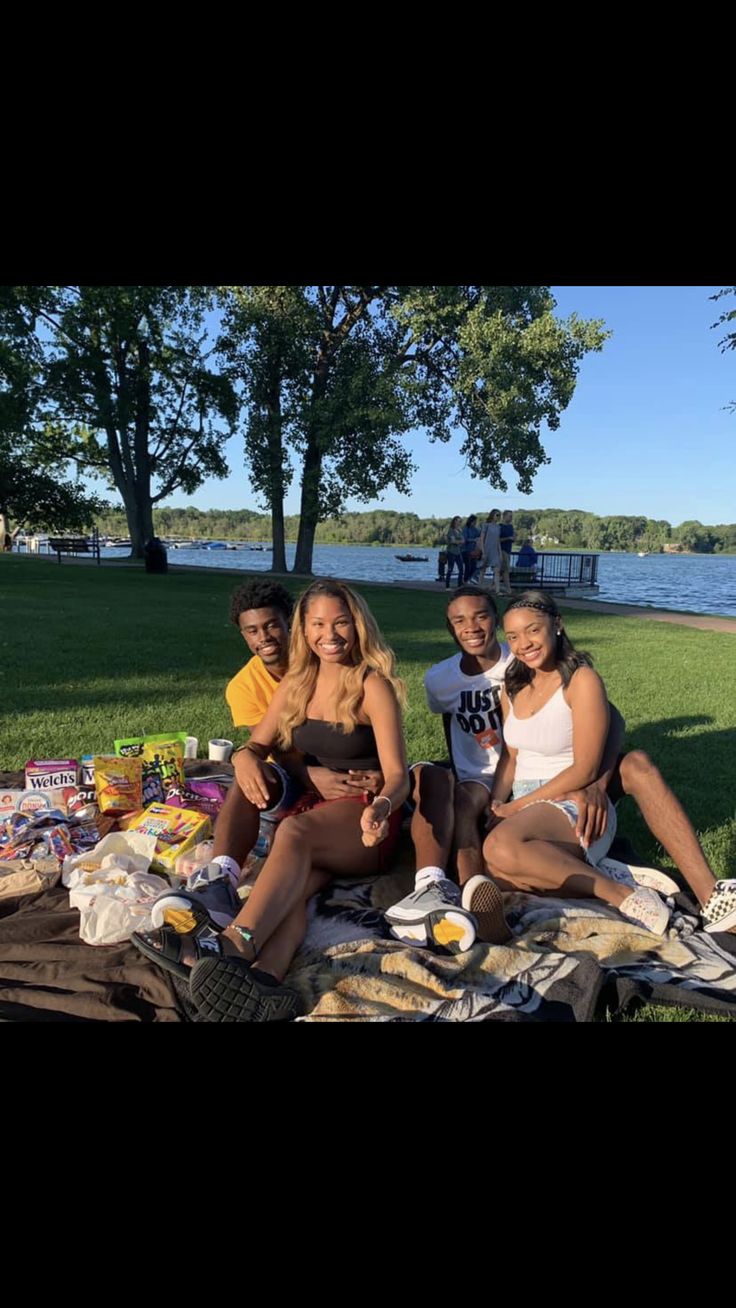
[[631, 875], [719, 914], [647, 910], [433, 915]]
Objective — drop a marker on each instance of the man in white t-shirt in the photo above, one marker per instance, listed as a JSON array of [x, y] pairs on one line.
[[466, 690]]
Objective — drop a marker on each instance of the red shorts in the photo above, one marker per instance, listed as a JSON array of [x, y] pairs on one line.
[[310, 799]]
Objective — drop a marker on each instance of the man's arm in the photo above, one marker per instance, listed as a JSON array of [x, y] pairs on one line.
[[592, 800], [326, 782]]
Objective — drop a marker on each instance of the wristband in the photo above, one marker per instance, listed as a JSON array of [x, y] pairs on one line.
[[252, 748], [388, 801]]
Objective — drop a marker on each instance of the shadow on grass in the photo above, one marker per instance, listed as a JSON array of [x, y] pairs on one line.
[[699, 767]]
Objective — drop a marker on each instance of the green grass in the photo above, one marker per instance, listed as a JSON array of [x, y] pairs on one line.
[[88, 654]]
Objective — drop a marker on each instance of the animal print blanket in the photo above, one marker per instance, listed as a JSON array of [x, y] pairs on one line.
[[568, 961]]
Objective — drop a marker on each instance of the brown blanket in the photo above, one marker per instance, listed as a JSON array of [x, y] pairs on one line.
[[48, 974]]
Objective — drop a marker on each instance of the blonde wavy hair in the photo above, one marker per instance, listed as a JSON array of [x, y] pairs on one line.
[[370, 653]]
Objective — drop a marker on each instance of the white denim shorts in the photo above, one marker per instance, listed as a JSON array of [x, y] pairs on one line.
[[599, 849]]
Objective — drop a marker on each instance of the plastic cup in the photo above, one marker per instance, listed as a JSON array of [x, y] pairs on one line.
[[220, 750]]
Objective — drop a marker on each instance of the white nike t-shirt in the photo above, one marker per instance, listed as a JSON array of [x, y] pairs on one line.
[[476, 730]]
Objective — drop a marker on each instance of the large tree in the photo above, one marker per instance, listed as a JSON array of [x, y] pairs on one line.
[[129, 390], [367, 364], [35, 492], [264, 349]]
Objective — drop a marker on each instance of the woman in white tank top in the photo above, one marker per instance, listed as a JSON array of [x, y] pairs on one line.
[[555, 726]]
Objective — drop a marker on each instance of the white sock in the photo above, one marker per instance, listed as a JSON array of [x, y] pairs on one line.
[[425, 875], [229, 865]]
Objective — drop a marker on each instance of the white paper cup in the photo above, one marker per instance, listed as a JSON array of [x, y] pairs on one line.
[[190, 747], [221, 750]]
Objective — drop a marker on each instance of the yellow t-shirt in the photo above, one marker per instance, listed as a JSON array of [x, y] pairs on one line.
[[250, 692]]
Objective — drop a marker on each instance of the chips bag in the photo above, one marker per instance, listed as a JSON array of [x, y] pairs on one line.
[[118, 782]]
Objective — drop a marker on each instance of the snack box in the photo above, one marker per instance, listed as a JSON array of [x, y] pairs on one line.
[[9, 801], [51, 773], [177, 830], [67, 799]]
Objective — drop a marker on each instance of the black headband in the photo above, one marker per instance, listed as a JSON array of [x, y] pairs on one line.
[[532, 604]]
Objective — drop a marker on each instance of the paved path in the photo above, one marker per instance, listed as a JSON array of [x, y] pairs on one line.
[[702, 621]]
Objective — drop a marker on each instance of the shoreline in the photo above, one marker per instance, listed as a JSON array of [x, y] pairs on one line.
[[701, 621]]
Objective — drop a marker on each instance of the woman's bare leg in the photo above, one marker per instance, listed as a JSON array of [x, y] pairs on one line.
[[279, 950], [283, 944], [536, 851], [328, 838]]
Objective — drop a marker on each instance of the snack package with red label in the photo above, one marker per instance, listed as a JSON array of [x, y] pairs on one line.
[[16, 851]]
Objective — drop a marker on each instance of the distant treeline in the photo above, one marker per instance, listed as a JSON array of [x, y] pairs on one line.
[[549, 528]]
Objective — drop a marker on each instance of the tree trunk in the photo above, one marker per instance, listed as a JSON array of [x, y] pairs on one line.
[[276, 475], [312, 472], [140, 523], [6, 535], [138, 514], [309, 511], [278, 562]]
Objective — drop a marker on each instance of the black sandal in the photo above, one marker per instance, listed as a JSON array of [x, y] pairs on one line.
[[229, 989], [165, 947]]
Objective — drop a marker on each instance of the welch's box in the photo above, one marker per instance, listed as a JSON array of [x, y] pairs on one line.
[[50, 773]]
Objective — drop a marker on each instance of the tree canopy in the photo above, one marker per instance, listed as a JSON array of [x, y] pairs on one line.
[[128, 392], [335, 376]]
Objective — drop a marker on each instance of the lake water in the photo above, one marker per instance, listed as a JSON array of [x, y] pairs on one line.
[[695, 582]]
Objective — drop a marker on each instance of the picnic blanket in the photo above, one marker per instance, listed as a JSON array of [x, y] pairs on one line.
[[568, 960]]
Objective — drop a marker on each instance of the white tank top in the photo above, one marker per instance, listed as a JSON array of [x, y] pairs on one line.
[[544, 741]]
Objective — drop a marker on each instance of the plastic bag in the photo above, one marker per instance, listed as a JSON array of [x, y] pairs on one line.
[[111, 910], [139, 849]]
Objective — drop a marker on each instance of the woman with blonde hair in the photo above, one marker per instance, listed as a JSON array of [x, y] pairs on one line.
[[339, 705]]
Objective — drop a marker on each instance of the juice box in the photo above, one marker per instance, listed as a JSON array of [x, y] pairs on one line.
[[51, 773]]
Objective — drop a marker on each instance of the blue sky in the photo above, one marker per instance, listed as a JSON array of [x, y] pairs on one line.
[[645, 433]]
